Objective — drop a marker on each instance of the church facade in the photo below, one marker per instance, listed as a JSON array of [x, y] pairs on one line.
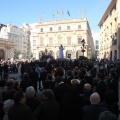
[[6, 49]]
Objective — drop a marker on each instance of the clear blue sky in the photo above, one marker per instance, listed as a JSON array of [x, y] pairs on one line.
[[18, 12]]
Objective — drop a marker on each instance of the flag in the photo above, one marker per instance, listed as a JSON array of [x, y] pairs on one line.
[[53, 16], [68, 13], [62, 13], [58, 13]]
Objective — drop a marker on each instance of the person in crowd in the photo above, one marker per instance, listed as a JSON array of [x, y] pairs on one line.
[[34, 78], [19, 69], [22, 69], [5, 68], [17, 85], [38, 69], [1, 71], [31, 100], [96, 66], [81, 76], [110, 103], [43, 75], [107, 115], [8, 103], [9, 86], [69, 76], [75, 74], [93, 111], [2, 87], [85, 97], [25, 82], [61, 88], [113, 83], [19, 111], [49, 109], [101, 86]]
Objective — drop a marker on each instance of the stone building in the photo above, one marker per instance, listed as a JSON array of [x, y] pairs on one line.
[[17, 36], [96, 39], [110, 32], [48, 36], [6, 49]]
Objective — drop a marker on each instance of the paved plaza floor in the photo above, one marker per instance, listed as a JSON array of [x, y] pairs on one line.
[[15, 75]]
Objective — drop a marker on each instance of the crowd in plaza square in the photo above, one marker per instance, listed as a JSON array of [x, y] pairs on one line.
[[61, 89]]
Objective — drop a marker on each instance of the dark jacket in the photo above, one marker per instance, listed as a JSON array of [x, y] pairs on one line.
[[92, 112], [20, 112], [101, 88], [47, 110]]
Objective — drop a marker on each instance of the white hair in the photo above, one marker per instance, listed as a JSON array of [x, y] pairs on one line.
[[95, 98], [30, 92]]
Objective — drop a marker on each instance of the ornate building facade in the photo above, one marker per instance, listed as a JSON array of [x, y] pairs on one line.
[[110, 32], [6, 49], [18, 37], [48, 36]]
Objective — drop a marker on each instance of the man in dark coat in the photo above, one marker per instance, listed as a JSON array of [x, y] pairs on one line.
[[93, 111], [49, 108], [61, 89], [19, 111], [101, 86]]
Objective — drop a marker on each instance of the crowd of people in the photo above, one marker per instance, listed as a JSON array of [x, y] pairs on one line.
[[61, 89]]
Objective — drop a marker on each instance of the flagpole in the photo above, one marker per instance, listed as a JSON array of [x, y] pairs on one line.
[[62, 15], [53, 16]]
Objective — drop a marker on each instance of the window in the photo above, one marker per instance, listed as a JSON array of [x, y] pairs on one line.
[[68, 40], [79, 40], [59, 28], [59, 40], [51, 29], [41, 41], [68, 27], [96, 42], [41, 30], [50, 40], [79, 26], [97, 47]]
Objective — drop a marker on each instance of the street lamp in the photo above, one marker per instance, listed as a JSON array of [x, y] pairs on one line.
[[83, 46]]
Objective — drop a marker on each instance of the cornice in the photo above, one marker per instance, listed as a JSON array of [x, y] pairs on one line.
[[113, 2]]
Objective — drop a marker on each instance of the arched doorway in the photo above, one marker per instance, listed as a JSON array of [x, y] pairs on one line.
[[69, 54], [2, 54]]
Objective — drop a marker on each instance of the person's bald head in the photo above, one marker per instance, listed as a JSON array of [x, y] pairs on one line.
[[95, 98], [87, 87]]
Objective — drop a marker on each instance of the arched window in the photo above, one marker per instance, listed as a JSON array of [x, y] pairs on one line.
[[79, 26], [51, 29], [50, 40], [68, 27], [79, 39], [59, 40], [41, 30], [59, 28]]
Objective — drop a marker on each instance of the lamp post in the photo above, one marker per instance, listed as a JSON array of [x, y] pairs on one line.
[[83, 46]]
